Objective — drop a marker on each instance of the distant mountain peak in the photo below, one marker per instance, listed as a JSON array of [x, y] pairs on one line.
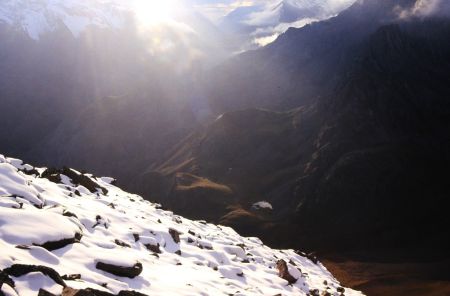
[[40, 16]]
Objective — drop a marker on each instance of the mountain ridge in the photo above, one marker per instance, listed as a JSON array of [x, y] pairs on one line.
[[65, 232]]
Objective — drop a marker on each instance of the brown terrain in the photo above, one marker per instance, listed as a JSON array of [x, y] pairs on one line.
[[391, 277]]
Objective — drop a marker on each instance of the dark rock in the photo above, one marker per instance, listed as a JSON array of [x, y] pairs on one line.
[[130, 272], [23, 247], [84, 292], [31, 172], [175, 235], [54, 175], [18, 270], [93, 292], [177, 220], [5, 279], [71, 277], [69, 214], [43, 292], [153, 248], [121, 243], [283, 272], [340, 289], [136, 237], [312, 257], [130, 293], [55, 245]]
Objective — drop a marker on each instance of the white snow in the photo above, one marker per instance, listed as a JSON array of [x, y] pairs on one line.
[[214, 260], [262, 205], [41, 16]]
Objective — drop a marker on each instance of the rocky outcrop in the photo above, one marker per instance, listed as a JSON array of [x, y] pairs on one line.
[[283, 272], [18, 270], [123, 271]]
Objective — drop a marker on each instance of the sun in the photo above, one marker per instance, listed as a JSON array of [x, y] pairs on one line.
[[151, 12]]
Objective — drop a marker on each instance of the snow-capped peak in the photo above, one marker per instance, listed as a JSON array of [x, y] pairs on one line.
[[37, 17], [62, 230]]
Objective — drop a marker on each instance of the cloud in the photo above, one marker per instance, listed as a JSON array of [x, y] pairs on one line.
[[426, 8], [264, 36]]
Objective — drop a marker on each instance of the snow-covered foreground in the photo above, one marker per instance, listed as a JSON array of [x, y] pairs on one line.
[[59, 232]]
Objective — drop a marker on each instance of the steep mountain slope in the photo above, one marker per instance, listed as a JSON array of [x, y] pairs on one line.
[[260, 23], [302, 65], [63, 232], [367, 160]]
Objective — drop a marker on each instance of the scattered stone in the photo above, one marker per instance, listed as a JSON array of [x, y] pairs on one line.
[[23, 247], [54, 175], [177, 219], [340, 289], [5, 279], [18, 270], [153, 248], [121, 243], [30, 172], [314, 292], [71, 277], [69, 214], [93, 292], [175, 235], [100, 221], [136, 237], [130, 272], [283, 272], [55, 245], [312, 257]]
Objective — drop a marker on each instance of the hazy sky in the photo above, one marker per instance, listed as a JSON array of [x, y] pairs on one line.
[[218, 8]]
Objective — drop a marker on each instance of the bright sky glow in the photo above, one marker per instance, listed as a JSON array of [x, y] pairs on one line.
[[152, 12]]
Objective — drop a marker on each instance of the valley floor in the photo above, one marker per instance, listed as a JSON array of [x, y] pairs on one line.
[[390, 276]]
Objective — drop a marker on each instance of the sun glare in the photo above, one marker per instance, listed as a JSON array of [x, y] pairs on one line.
[[151, 12]]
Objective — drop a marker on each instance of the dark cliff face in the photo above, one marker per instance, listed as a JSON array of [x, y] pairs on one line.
[[367, 160]]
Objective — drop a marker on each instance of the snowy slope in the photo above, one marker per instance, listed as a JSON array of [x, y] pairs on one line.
[[57, 234]]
